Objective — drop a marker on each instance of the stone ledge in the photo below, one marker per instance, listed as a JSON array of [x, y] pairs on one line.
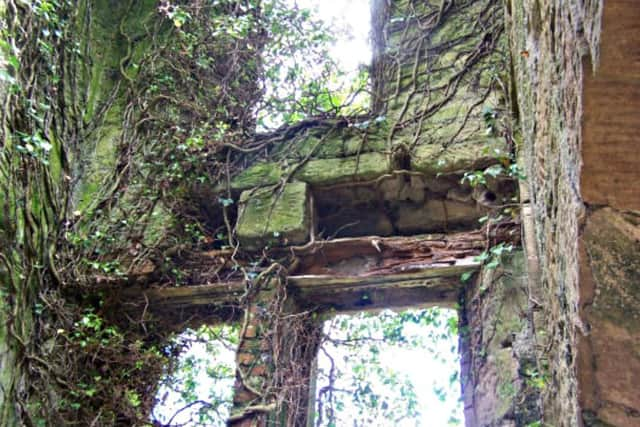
[[432, 159], [325, 172]]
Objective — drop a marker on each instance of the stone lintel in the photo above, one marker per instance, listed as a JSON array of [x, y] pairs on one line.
[[325, 172]]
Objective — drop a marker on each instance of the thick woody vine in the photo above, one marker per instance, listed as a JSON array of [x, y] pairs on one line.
[[185, 97], [186, 100], [272, 326]]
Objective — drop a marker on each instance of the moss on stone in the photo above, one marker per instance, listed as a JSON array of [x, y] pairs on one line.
[[108, 47], [258, 175], [326, 172], [506, 387], [432, 159], [319, 146], [344, 144], [270, 216], [330, 142], [101, 165], [160, 220]]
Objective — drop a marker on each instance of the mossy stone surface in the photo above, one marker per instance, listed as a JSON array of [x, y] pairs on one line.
[[342, 143], [258, 175], [432, 159], [274, 216], [324, 172]]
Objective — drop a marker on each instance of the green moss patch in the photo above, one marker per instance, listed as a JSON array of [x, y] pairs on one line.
[[259, 175], [272, 217], [349, 169], [433, 159]]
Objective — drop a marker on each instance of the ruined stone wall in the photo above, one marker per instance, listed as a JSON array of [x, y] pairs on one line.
[[578, 148], [553, 340], [609, 352], [441, 111], [501, 379], [547, 49], [551, 336]]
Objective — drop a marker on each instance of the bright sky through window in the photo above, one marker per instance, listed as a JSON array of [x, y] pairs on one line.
[[390, 370], [352, 20]]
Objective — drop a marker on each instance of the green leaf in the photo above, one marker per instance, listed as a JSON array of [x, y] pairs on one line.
[[14, 62], [494, 170], [493, 264], [225, 201]]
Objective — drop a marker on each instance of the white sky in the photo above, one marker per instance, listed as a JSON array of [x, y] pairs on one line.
[[426, 373], [427, 368], [354, 16]]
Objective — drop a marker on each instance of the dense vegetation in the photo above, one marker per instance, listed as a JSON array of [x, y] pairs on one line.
[[113, 115], [118, 118]]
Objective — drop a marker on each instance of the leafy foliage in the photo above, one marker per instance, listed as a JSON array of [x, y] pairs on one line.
[[199, 391], [164, 95], [168, 94], [363, 376]]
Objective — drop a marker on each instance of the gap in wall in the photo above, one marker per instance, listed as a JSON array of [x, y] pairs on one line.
[[385, 369], [200, 391]]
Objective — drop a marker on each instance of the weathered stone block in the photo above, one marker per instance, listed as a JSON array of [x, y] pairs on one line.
[[340, 143], [433, 159], [502, 349], [609, 358], [258, 175], [325, 172], [271, 216], [435, 215]]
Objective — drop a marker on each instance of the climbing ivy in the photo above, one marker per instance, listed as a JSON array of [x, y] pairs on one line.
[[113, 115], [118, 118]]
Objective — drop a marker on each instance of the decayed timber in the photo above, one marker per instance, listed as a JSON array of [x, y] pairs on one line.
[[436, 284], [373, 255], [183, 297], [344, 274]]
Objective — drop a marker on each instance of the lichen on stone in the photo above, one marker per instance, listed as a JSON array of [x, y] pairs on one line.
[[274, 216], [260, 174], [324, 172], [434, 159]]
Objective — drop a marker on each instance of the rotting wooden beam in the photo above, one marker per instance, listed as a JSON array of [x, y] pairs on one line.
[[185, 296], [372, 255], [436, 284], [433, 285], [346, 274]]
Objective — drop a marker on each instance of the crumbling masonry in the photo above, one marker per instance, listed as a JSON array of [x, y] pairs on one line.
[[376, 212]]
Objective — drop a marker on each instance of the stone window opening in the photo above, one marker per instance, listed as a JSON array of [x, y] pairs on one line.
[[385, 213], [200, 390], [388, 368]]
